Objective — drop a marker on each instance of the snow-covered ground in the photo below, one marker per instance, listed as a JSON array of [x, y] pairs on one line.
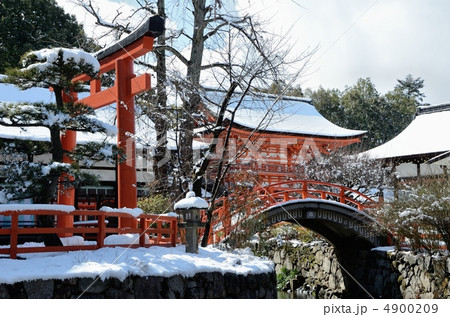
[[121, 262]]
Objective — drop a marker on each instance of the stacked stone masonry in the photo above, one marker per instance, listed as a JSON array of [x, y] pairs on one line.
[[200, 286], [321, 272]]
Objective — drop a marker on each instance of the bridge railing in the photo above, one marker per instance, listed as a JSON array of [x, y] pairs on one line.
[[152, 230], [229, 213], [304, 189]]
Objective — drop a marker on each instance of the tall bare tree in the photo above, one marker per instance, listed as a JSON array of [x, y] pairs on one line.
[[229, 51]]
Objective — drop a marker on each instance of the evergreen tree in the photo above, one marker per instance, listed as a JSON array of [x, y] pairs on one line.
[[411, 86], [54, 69], [366, 110], [328, 103], [403, 109], [27, 25], [279, 87], [362, 107]]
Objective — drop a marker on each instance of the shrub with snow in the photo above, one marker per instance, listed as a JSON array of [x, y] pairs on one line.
[[421, 216]]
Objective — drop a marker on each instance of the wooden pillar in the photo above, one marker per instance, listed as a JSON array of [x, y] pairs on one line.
[[66, 196], [126, 171], [396, 187], [419, 177]]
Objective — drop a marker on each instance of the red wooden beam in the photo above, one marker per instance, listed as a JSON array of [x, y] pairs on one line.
[[108, 96]]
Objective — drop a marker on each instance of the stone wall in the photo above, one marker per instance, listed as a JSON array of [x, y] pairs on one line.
[[406, 275], [321, 272], [200, 286]]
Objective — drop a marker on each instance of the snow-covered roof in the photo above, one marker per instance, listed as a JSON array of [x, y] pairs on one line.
[[427, 134], [289, 115]]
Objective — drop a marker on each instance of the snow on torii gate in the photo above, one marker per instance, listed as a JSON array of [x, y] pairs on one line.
[[118, 57]]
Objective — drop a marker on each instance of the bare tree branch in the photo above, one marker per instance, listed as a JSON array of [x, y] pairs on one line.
[[173, 51]]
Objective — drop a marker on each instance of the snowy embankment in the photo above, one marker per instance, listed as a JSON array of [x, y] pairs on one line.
[[119, 262], [122, 262]]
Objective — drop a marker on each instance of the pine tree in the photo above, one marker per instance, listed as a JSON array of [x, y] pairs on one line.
[[362, 107], [411, 86], [53, 69]]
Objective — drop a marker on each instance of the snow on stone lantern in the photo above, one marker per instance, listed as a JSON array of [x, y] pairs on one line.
[[189, 208]]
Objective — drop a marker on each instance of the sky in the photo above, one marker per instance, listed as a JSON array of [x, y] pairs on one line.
[[384, 40]]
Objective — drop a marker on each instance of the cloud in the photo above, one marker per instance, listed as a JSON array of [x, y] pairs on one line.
[[383, 40]]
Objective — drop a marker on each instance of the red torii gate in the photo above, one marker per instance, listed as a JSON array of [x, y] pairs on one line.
[[118, 57]]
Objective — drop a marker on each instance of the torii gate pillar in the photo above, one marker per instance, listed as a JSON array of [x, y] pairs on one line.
[[66, 196], [126, 173]]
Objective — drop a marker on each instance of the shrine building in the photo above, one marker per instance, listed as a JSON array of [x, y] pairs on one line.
[[285, 133], [423, 148]]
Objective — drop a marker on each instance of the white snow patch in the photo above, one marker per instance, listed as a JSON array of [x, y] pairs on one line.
[[21, 207], [48, 56], [384, 248], [47, 168], [121, 262], [191, 201], [135, 212], [127, 239], [75, 240]]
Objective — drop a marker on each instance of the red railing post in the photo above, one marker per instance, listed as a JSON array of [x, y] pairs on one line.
[[143, 229], [173, 236], [158, 234], [270, 193], [342, 196], [13, 236], [101, 231], [305, 190]]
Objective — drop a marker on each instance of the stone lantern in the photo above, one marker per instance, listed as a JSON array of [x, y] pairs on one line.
[[189, 208]]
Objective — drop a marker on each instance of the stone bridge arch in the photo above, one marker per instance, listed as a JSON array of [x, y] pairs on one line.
[[342, 225]]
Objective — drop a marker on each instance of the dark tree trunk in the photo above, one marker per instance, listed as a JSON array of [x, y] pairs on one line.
[[191, 105], [161, 159]]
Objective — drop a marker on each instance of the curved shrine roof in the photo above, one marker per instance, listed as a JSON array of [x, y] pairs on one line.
[[428, 133], [287, 115]]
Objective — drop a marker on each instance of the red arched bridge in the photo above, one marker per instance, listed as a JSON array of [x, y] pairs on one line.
[[336, 212]]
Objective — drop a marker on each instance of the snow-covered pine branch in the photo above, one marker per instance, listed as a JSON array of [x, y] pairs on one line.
[[55, 68], [31, 180]]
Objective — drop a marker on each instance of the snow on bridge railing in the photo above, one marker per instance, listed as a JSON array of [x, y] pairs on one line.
[[303, 189]]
